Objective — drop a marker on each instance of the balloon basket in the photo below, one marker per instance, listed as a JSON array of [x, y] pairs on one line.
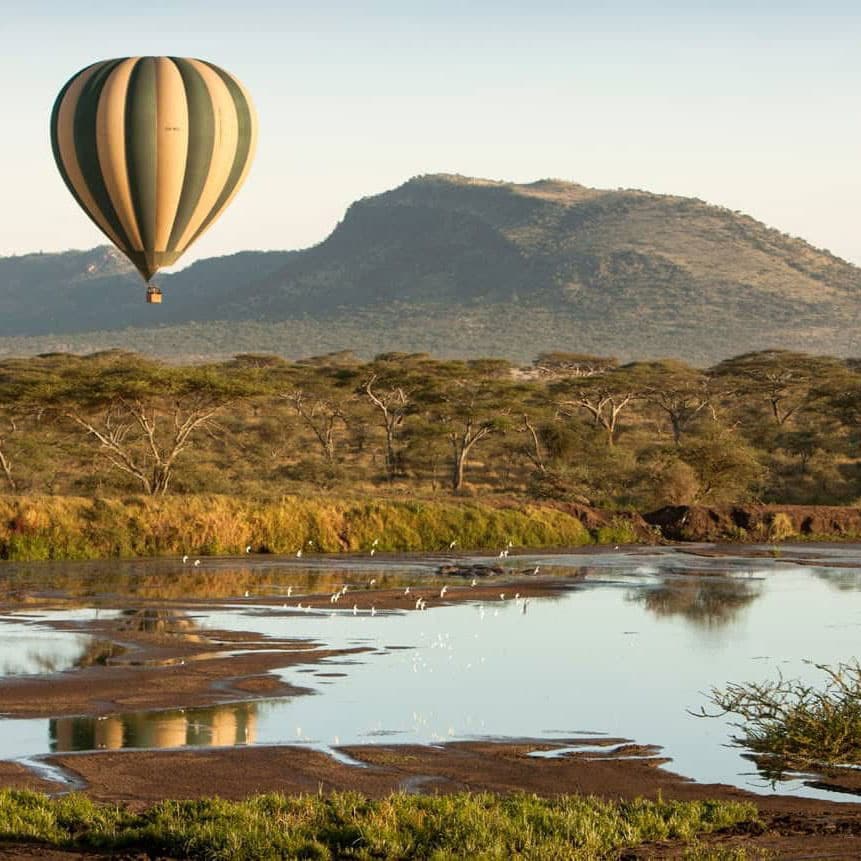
[[153, 296]]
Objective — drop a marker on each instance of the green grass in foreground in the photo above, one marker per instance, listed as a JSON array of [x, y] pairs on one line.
[[348, 825]]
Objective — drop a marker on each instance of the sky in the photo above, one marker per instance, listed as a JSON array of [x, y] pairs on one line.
[[750, 105]]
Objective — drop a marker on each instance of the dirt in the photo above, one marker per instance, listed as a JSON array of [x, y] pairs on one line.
[[755, 522]]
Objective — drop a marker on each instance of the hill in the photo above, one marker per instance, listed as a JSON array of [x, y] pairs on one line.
[[459, 266]]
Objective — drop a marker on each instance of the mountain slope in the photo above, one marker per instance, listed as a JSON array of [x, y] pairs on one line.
[[80, 291], [455, 265]]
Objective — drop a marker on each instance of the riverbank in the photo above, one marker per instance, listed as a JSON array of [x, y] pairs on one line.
[[57, 528], [610, 772]]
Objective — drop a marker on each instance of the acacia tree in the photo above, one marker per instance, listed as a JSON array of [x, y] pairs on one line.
[[534, 448], [141, 416], [466, 400], [604, 396], [5, 458], [392, 401], [557, 364], [21, 411], [321, 414], [783, 379], [680, 392]]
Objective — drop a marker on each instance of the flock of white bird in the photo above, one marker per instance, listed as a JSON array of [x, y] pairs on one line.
[[421, 603]]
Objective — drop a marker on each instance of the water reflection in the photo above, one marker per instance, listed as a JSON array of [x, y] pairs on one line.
[[843, 579], [215, 578], [708, 602], [218, 726], [29, 648]]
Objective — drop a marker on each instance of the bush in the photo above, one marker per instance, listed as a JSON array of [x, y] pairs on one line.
[[795, 724]]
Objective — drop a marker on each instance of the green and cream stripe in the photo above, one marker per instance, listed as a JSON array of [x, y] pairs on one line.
[[153, 149]]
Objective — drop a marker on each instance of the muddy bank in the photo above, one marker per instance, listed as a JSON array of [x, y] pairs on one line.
[[606, 769], [175, 666], [755, 523]]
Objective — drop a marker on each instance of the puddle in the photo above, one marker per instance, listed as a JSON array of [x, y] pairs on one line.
[[628, 651]]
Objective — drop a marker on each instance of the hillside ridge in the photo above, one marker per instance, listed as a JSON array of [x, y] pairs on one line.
[[623, 271]]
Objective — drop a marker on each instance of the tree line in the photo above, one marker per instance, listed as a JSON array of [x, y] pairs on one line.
[[775, 426]]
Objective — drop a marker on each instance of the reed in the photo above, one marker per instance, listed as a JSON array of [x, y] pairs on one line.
[[61, 527]]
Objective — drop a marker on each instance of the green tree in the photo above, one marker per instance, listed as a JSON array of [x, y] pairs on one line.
[[140, 415]]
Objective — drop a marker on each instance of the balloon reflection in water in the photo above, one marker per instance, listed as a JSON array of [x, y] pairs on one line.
[[218, 726]]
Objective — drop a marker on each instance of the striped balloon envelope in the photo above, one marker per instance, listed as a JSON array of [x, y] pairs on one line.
[[153, 149]]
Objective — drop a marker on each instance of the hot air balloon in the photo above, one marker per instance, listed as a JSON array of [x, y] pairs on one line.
[[153, 149]]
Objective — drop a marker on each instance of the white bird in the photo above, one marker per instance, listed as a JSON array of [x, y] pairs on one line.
[[355, 609], [517, 596], [502, 596], [474, 582], [289, 591], [248, 549], [373, 611], [373, 582], [335, 597], [310, 543], [419, 604], [247, 594], [299, 553], [299, 606], [443, 591], [509, 544], [197, 563], [424, 604], [537, 569], [184, 559], [451, 545], [375, 542], [373, 550], [407, 591]]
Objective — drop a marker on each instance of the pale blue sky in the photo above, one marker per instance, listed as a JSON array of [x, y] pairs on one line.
[[752, 105]]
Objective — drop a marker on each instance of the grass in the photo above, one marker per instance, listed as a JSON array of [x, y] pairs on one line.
[[790, 723], [52, 527], [349, 825]]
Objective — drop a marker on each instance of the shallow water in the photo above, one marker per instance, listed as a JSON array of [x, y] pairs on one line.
[[30, 645], [626, 653]]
